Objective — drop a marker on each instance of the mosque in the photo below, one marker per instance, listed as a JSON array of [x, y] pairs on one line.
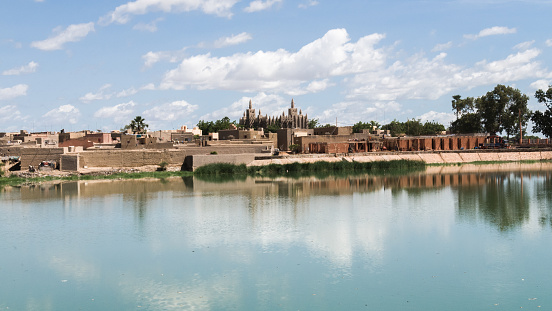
[[293, 120]]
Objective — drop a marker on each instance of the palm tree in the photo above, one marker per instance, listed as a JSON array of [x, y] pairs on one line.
[[138, 126]]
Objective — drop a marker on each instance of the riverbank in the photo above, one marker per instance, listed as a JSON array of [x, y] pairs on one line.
[[274, 165]]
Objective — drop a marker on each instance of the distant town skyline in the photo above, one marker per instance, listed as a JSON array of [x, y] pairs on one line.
[[97, 65]]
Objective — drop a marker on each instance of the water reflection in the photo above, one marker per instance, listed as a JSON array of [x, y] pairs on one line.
[[387, 242]]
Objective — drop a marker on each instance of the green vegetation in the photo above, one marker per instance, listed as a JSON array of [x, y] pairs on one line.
[[163, 166], [214, 152], [219, 169], [413, 128], [502, 109], [359, 126], [213, 127], [137, 126], [14, 180], [542, 121]]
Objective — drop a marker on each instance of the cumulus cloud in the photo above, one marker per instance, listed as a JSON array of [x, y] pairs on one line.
[[524, 45], [440, 117], [10, 113], [99, 95], [123, 13], [442, 47], [493, 31], [105, 93], [541, 84], [259, 5], [280, 70], [169, 112], [308, 3], [149, 27], [270, 105], [119, 113], [233, 40], [73, 33], [548, 42], [351, 111], [151, 58], [64, 113], [422, 78], [13, 92], [29, 68]]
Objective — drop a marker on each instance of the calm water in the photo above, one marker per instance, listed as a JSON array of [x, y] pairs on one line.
[[470, 238]]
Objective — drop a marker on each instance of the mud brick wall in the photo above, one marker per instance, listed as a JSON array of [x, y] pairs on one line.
[[69, 162], [33, 156]]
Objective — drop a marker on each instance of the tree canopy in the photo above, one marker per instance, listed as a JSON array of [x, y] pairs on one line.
[[137, 125], [413, 127], [542, 121], [207, 127], [502, 109]]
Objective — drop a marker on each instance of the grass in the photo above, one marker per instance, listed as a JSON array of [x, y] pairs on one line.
[[14, 180], [302, 169]]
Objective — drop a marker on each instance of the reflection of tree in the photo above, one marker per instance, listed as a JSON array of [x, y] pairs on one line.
[[500, 201], [543, 195]]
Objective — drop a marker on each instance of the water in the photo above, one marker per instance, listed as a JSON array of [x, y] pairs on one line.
[[451, 238]]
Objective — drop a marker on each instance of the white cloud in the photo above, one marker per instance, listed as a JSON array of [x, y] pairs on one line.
[[541, 84], [308, 3], [149, 27], [491, 32], [99, 95], [548, 42], [440, 117], [442, 47], [128, 92], [13, 92], [177, 111], [233, 40], [524, 45], [151, 58], [119, 113], [351, 111], [10, 113], [259, 5], [271, 105], [29, 68], [123, 13], [280, 70], [422, 78], [73, 33], [64, 113]]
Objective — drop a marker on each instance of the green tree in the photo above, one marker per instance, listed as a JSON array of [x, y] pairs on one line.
[[467, 123], [395, 127], [432, 128], [137, 125], [313, 123], [462, 106], [503, 109], [273, 128], [542, 121], [207, 127], [359, 126]]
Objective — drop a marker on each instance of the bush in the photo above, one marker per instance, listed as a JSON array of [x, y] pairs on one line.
[[163, 166]]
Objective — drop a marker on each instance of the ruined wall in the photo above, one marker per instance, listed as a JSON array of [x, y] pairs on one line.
[[33, 156], [136, 158]]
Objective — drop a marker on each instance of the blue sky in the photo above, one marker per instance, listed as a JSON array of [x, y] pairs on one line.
[[96, 64]]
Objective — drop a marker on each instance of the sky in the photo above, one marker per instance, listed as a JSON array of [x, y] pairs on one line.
[[95, 65]]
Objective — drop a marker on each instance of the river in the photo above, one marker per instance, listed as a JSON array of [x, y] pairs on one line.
[[450, 238]]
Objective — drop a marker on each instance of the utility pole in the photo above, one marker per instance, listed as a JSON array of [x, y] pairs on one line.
[[520, 128]]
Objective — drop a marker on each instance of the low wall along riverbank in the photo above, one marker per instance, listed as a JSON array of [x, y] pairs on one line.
[[427, 157]]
